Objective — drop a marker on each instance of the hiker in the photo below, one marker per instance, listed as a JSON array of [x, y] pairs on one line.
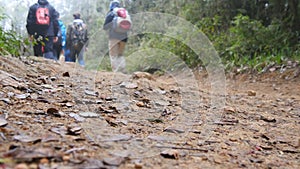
[[42, 27], [59, 45], [117, 39], [77, 38], [67, 53]]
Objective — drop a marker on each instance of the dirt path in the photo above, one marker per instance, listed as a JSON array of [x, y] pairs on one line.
[[58, 115]]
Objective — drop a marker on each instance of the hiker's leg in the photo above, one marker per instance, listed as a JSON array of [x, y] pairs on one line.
[[67, 55], [37, 49], [72, 55], [48, 50], [57, 48], [122, 45], [113, 53], [80, 56], [37, 46], [113, 47], [59, 51], [121, 58], [121, 64]]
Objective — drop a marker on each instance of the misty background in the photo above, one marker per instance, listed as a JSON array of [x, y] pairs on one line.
[[92, 12], [246, 34]]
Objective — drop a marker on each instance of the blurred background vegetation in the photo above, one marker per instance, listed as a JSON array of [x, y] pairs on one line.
[[248, 35]]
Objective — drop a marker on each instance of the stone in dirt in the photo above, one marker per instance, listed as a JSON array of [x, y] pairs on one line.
[[3, 122], [173, 154], [251, 93]]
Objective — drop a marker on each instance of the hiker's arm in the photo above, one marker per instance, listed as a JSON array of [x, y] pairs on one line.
[[30, 21], [55, 22], [68, 37], [86, 38], [108, 21]]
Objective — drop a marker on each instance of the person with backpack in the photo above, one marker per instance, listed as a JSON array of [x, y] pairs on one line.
[[77, 38], [117, 23], [59, 45], [42, 27]]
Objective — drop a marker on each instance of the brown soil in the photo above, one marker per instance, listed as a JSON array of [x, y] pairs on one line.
[[58, 115]]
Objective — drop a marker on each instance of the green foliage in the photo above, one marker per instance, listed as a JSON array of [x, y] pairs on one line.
[[154, 60], [212, 27], [245, 33], [10, 42], [251, 43], [169, 46], [247, 43]]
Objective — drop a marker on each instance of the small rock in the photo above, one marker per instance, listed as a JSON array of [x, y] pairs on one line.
[[158, 138], [66, 74], [173, 130], [138, 75], [155, 120], [162, 92], [99, 101], [173, 154], [10, 94], [60, 130], [74, 130], [140, 104], [218, 160], [54, 112], [122, 121], [22, 96], [44, 161], [77, 117], [53, 78], [91, 93], [129, 85], [26, 139], [88, 114], [138, 165], [92, 163], [256, 160], [233, 139], [66, 158], [162, 103], [3, 122], [5, 100], [268, 119], [115, 161], [272, 69], [251, 93], [42, 99], [229, 109], [47, 86], [111, 121], [33, 166], [69, 104], [21, 166], [119, 137], [137, 94]]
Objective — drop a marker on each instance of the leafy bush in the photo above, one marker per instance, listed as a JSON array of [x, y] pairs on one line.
[[165, 49], [10, 42], [248, 43]]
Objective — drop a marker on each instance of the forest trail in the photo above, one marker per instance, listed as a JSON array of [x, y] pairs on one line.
[[58, 115]]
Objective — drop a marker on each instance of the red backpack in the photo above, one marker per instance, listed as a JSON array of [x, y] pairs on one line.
[[121, 22], [42, 15]]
